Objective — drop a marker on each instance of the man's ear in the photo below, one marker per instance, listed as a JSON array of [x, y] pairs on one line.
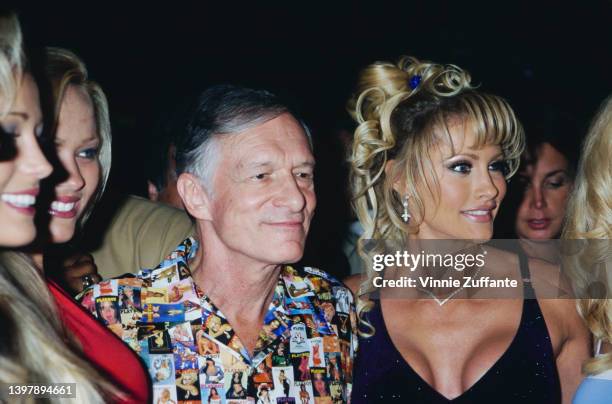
[[194, 196], [398, 184]]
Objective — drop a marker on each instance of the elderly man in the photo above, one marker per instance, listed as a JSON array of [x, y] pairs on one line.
[[232, 319]]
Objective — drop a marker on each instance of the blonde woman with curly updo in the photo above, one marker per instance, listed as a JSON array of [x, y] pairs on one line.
[[430, 161], [590, 217]]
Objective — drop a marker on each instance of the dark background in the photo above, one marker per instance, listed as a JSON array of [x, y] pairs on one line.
[[535, 53]]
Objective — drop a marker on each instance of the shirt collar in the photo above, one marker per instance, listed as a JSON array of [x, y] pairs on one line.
[[294, 299]]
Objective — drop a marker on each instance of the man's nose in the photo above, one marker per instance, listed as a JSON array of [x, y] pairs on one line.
[[291, 195]]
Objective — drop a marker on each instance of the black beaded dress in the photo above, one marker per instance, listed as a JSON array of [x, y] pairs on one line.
[[525, 373]]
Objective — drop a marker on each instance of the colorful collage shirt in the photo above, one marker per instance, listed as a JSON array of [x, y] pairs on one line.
[[304, 353]]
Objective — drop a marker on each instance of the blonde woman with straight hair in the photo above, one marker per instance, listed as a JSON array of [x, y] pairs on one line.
[[430, 160], [590, 217], [81, 129], [36, 348], [81, 126]]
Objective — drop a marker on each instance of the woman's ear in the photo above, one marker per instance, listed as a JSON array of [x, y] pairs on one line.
[[194, 196], [398, 184]]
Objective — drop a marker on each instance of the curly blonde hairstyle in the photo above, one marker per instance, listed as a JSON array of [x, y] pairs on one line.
[[590, 217], [404, 110]]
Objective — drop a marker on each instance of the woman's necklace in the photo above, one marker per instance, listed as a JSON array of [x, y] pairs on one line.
[[442, 302]]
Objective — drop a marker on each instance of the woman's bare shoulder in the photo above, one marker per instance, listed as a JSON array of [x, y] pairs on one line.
[[557, 302], [548, 281], [553, 292], [546, 278]]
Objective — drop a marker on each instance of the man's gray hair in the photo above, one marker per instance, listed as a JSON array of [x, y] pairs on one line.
[[223, 110]]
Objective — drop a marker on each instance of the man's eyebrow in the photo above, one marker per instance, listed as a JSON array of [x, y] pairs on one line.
[[255, 164], [252, 165], [266, 163]]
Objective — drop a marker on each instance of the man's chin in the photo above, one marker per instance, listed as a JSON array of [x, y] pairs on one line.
[[291, 253], [292, 259]]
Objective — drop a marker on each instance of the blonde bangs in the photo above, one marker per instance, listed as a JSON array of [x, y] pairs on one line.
[[494, 123], [403, 111]]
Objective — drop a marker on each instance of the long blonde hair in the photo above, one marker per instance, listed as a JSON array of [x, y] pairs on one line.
[[401, 109], [590, 217], [63, 68], [35, 346], [11, 61]]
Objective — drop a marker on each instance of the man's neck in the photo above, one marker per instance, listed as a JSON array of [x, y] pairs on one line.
[[240, 287], [235, 286]]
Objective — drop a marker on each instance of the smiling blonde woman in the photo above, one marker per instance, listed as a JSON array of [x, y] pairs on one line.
[[590, 217], [431, 157], [36, 348]]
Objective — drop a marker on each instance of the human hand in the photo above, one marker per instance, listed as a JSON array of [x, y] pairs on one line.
[[78, 272]]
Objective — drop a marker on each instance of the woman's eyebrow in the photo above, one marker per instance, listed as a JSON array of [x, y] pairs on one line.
[[60, 142], [550, 174], [477, 157], [22, 115]]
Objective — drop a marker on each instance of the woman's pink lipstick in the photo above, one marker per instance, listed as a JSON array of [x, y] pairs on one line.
[[65, 207], [22, 201], [538, 224]]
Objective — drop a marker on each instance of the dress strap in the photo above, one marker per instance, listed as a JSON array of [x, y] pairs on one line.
[[528, 292], [598, 346]]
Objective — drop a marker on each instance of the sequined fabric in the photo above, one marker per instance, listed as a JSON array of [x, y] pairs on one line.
[[525, 373]]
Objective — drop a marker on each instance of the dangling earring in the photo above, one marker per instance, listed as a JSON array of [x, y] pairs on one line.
[[405, 215]]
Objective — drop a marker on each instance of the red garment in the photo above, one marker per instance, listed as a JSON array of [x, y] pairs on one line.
[[103, 349]]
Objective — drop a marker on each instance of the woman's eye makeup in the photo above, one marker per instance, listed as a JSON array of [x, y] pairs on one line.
[[465, 167], [555, 182], [462, 167], [500, 165], [90, 153], [10, 129], [7, 146]]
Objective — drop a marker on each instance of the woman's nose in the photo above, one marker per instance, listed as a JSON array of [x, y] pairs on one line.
[[537, 199], [34, 163]]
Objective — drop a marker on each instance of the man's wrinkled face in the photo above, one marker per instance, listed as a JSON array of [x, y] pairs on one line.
[[263, 191]]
